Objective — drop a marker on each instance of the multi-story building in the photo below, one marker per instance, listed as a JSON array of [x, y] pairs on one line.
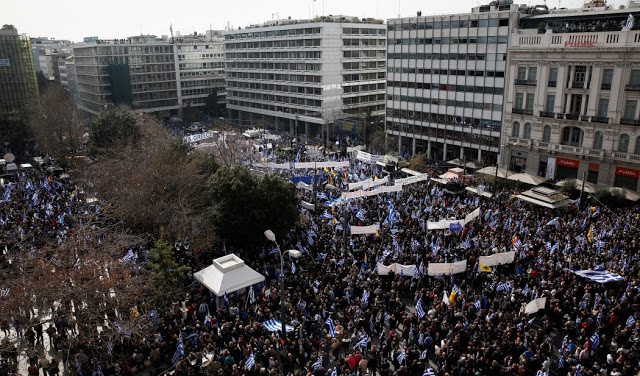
[[68, 76], [200, 68], [571, 98], [446, 80], [299, 75], [18, 84], [150, 74]]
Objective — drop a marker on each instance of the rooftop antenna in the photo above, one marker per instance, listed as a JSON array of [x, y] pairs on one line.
[[171, 30], [399, 9]]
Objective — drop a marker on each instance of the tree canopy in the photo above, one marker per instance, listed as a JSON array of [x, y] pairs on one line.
[[112, 128], [244, 205]]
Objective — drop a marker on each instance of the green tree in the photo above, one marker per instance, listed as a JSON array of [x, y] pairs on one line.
[[243, 206], [166, 277], [112, 129], [610, 197], [16, 133], [569, 186], [419, 162], [382, 143], [212, 104]]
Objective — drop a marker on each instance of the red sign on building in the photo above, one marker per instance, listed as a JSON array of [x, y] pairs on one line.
[[568, 162], [628, 172]]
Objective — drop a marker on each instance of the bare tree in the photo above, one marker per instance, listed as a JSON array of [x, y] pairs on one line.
[[55, 124]]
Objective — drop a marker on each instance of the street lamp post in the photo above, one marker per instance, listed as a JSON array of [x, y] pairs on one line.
[[295, 254], [344, 214]]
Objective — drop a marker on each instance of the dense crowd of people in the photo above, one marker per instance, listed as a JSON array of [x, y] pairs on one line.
[[350, 320]]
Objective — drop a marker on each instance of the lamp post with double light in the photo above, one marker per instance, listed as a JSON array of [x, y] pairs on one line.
[[295, 254]]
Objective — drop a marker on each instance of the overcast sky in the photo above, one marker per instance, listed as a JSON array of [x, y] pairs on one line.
[[75, 19]]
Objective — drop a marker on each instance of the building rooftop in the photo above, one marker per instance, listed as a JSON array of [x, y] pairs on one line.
[[329, 18]]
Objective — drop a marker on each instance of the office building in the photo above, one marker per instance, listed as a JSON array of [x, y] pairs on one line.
[[299, 75], [445, 82], [68, 76], [571, 98], [149, 74], [18, 84]]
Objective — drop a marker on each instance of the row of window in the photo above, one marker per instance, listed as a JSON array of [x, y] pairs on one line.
[[274, 33], [364, 43], [362, 88], [445, 119], [275, 77], [274, 98], [449, 56], [363, 99], [448, 40], [294, 43], [269, 107], [447, 134], [446, 102], [457, 24], [363, 31], [274, 55], [447, 87], [363, 77], [198, 65], [273, 87], [276, 66], [447, 72], [201, 73], [195, 83], [573, 136], [364, 65], [200, 56]]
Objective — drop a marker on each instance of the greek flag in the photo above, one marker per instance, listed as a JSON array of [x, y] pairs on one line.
[[630, 22], [252, 295], [4, 292], [332, 327], [526, 290], [361, 215], [322, 196], [542, 373], [506, 286], [599, 319], [128, 257], [478, 304], [631, 321], [595, 341], [392, 214], [7, 194], [317, 364], [553, 222], [274, 325], [179, 351], [429, 372], [561, 362], [582, 306], [419, 309], [365, 297], [309, 239], [364, 340], [251, 361], [402, 357], [207, 319], [456, 289], [423, 355], [293, 268], [335, 372], [327, 215]]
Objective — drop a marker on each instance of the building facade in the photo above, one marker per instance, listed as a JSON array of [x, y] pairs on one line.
[[299, 75], [149, 74], [445, 82], [68, 76], [18, 84], [571, 98]]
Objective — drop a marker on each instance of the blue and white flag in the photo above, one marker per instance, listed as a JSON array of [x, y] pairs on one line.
[[506, 286], [402, 357], [561, 362], [478, 304], [365, 297], [274, 325], [423, 355], [252, 295], [553, 222], [179, 351], [361, 215], [335, 372], [251, 361], [332, 327], [429, 372], [630, 22], [129, 256], [293, 268], [542, 373], [392, 214], [364, 340], [595, 341], [317, 364], [631, 321], [419, 309]]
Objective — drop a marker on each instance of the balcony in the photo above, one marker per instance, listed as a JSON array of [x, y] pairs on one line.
[[605, 86], [523, 111], [600, 119], [519, 141], [577, 85], [634, 87], [552, 83], [625, 157], [629, 122], [526, 82], [595, 153], [576, 150], [571, 116], [547, 114]]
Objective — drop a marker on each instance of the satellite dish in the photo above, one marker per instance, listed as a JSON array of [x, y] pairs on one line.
[[9, 157]]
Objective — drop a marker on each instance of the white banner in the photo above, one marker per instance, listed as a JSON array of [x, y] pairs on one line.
[[436, 269], [305, 186], [305, 165], [405, 270], [535, 305], [551, 168], [377, 191], [333, 164], [443, 224], [360, 230], [497, 259], [5, 63], [368, 183], [368, 157], [384, 270], [412, 179], [471, 216], [198, 137], [302, 165], [307, 205]]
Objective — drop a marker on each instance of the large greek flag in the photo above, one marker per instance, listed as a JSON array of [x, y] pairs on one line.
[[599, 276], [274, 325]]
